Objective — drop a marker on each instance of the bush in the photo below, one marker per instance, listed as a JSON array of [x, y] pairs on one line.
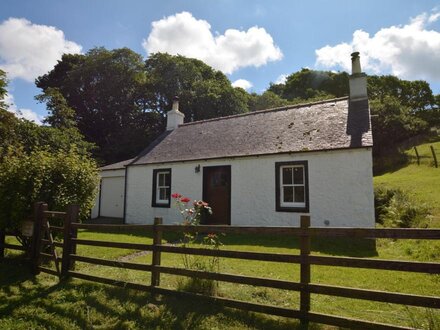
[[394, 208], [58, 178]]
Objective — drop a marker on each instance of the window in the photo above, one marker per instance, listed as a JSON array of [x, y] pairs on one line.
[[292, 191], [161, 188]]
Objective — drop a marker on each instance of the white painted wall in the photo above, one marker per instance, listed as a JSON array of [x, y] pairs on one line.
[[111, 195], [340, 189]]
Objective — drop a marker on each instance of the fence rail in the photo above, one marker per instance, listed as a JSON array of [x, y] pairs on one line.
[[304, 259]]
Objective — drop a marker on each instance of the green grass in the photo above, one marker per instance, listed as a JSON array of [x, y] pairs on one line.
[[422, 182], [27, 302]]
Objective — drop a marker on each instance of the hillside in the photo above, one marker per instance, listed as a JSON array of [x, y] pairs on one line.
[[420, 181]]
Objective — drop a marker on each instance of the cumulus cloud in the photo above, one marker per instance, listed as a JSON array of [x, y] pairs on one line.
[[22, 113], [185, 35], [243, 83], [411, 51], [28, 50], [281, 79]]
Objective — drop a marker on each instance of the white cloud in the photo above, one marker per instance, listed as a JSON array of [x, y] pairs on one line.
[[411, 51], [281, 79], [28, 50], [185, 35], [243, 83], [22, 113]]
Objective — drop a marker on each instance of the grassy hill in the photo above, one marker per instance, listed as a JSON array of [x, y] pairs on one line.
[[420, 181]]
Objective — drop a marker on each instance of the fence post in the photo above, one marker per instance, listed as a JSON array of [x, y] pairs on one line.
[[157, 240], [417, 155], [305, 271], [434, 156], [69, 247], [2, 244], [39, 218]]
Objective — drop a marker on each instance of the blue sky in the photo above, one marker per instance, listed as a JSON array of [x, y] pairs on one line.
[[253, 42]]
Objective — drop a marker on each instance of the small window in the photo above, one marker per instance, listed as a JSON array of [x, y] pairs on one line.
[[161, 188], [292, 186]]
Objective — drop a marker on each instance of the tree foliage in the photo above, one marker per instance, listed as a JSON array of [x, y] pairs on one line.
[[119, 102], [59, 178], [101, 94], [265, 100], [393, 122], [42, 163], [309, 84], [3, 91]]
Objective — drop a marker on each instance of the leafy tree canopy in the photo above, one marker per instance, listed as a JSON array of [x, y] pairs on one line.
[[119, 102], [311, 84], [59, 178], [101, 94], [42, 163]]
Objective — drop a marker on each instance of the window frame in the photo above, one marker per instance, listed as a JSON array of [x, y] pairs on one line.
[[155, 202], [279, 207]]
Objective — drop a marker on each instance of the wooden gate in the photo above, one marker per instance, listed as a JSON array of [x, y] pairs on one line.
[[44, 247]]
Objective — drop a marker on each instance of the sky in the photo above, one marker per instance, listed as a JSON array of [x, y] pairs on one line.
[[254, 43]]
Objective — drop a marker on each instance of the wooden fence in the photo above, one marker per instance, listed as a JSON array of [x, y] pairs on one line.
[[43, 242]]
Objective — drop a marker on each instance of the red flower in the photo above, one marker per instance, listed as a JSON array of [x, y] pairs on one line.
[[176, 195], [185, 200]]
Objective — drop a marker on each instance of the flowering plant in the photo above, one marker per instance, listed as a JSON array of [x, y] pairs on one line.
[[191, 217]]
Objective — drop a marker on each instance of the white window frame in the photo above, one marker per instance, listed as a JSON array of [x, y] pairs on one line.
[[159, 187], [293, 184]]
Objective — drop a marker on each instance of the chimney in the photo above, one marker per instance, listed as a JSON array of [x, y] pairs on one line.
[[357, 80], [174, 116]]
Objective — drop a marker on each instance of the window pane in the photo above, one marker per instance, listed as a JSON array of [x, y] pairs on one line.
[[167, 179], [299, 195], [162, 194], [287, 175], [161, 179], [288, 194], [298, 175]]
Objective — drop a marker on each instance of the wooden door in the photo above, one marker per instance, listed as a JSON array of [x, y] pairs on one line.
[[217, 192]]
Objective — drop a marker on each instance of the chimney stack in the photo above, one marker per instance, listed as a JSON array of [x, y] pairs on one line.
[[357, 80], [174, 116]]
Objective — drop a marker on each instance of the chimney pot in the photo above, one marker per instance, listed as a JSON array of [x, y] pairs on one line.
[[357, 80], [355, 63], [174, 116]]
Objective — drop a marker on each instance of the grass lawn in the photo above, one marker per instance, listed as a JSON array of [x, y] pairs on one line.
[[421, 181], [42, 303]]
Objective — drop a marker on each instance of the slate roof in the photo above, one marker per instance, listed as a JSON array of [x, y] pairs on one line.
[[116, 166], [325, 125]]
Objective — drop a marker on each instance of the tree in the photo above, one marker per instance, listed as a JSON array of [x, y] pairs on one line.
[[119, 102], [3, 91], [266, 100], [42, 163], [311, 84], [203, 92], [393, 122], [101, 92], [417, 95]]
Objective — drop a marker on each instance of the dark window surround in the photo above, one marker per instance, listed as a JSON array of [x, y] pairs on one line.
[[153, 200], [278, 206]]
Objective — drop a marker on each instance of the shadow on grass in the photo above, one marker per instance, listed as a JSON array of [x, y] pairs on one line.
[[78, 304], [350, 247]]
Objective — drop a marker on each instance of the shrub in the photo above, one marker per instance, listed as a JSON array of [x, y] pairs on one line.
[[394, 208], [58, 178]]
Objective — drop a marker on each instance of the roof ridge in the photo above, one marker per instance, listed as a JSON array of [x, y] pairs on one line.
[[286, 107]]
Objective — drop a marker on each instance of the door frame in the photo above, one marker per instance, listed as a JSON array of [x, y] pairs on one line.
[[205, 183]]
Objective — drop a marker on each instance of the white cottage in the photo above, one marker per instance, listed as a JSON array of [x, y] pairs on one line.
[[260, 168]]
